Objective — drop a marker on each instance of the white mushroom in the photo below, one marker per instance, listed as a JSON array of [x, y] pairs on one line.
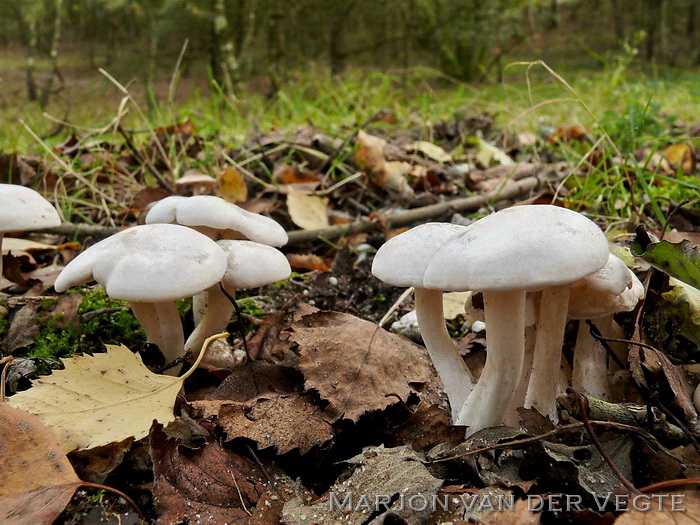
[[249, 265], [217, 219], [505, 255], [612, 289], [23, 209], [402, 261], [151, 266]]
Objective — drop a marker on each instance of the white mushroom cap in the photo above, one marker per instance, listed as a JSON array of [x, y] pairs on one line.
[[585, 302], [403, 259], [612, 278], [194, 177], [151, 263], [521, 248], [218, 219], [23, 209], [250, 264]]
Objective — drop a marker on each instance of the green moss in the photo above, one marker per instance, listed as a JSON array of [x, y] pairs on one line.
[[249, 305], [120, 327]]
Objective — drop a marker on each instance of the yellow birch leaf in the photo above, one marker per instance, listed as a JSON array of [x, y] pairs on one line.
[[309, 212], [100, 399], [232, 187]]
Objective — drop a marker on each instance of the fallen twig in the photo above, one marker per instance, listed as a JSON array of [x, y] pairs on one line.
[[626, 414], [541, 437], [510, 190], [582, 403]]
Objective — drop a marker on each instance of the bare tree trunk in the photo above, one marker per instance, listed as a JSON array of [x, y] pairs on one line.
[[336, 41], [152, 55], [276, 48], [47, 89], [618, 20], [225, 49], [31, 56], [654, 10]]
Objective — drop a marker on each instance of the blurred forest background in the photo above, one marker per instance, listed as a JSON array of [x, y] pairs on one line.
[[178, 52]]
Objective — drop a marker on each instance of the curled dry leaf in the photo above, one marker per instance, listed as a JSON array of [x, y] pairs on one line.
[[653, 372], [353, 364], [210, 484], [309, 212], [36, 479], [284, 422], [100, 399]]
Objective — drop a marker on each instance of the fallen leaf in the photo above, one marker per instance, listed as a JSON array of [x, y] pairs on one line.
[[655, 373], [652, 515], [682, 304], [100, 399], [307, 261], [353, 364], [453, 303], [586, 466], [681, 155], [255, 378], [287, 422], [681, 261], [291, 174], [209, 484], [36, 479], [96, 464], [566, 134], [430, 150], [147, 196], [232, 186], [380, 474], [488, 154], [369, 156], [309, 212]]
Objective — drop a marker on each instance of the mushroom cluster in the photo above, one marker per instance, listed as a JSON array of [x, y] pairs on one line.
[[155, 264], [23, 209], [507, 256]]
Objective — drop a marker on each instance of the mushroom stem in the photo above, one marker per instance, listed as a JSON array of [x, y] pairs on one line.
[[512, 418], [199, 307], [216, 317], [590, 370], [505, 346], [163, 327], [546, 370], [454, 374]]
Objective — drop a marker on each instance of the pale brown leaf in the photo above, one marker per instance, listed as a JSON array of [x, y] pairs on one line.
[[36, 479], [354, 364]]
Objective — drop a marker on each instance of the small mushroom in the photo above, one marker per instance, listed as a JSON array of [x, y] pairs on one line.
[[151, 266], [402, 261], [249, 265], [612, 289], [505, 255], [23, 209], [217, 219]]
